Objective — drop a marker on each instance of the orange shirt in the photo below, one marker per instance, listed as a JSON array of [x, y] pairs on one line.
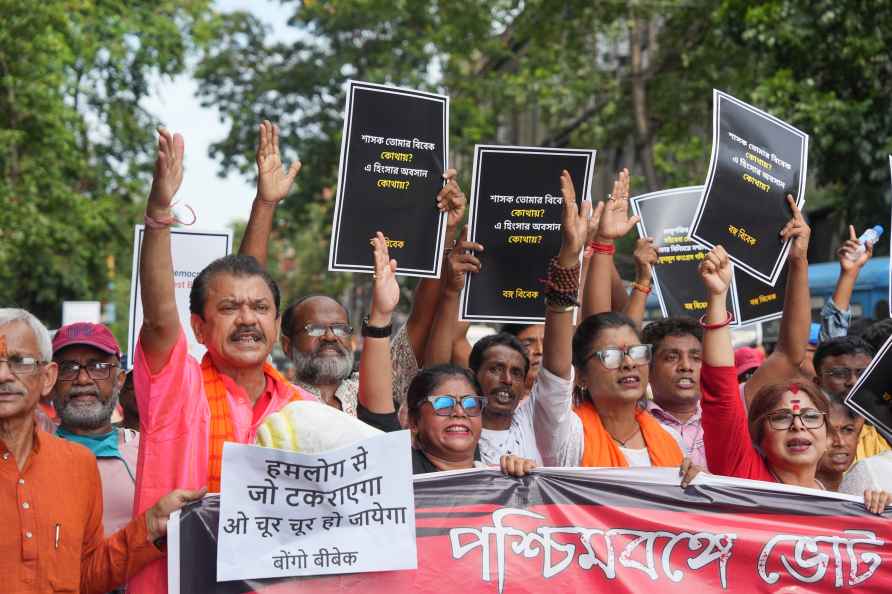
[[51, 516]]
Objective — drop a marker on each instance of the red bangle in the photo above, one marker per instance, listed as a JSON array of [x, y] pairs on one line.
[[602, 248], [717, 325], [641, 288]]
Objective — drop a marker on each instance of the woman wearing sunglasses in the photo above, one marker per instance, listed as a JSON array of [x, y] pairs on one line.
[[607, 426], [443, 405], [784, 435]]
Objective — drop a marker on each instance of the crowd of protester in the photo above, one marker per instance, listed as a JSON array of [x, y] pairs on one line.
[[93, 459]]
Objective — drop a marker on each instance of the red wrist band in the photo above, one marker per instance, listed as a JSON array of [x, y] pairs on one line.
[[641, 288], [717, 325], [602, 248]]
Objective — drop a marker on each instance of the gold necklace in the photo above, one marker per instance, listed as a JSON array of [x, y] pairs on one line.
[[623, 442]]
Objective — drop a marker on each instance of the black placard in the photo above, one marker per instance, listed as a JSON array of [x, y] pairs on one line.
[[515, 212], [871, 396], [665, 216], [756, 161], [755, 301], [393, 154]]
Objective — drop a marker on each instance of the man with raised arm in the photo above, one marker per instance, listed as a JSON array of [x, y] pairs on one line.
[[189, 409]]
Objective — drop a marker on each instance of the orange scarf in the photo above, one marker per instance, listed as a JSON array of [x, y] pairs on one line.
[[601, 450], [221, 419]]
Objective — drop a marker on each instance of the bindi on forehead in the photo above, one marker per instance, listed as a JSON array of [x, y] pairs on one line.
[[795, 405]]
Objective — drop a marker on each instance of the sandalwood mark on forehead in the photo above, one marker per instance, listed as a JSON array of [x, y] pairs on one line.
[[795, 404], [3, 352]]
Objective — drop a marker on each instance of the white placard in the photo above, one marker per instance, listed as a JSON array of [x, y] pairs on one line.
[[344, 511], [191, 251], [81, 311]]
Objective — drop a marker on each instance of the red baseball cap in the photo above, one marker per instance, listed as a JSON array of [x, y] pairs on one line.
[[746, 358], [94, 335]]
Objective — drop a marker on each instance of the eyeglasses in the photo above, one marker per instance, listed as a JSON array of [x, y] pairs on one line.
[[22, 365], [69, 370], [612, 357], [843, 373], [339, 330], [444, 404], [783, 419]]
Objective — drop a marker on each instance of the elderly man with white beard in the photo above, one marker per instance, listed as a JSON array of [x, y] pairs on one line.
[[85, 396], [317, 337]]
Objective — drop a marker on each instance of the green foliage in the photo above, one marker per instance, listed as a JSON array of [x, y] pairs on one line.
[[75, 145]]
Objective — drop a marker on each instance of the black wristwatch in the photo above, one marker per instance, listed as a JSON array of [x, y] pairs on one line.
[[375, 331]]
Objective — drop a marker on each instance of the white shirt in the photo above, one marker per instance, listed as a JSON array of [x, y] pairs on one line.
[[873, 473], [520, 438], [559, 433]]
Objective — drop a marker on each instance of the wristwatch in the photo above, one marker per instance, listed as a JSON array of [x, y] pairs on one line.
[[375, 331]]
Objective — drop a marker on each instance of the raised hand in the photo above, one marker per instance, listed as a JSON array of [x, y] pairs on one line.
[[615, 220], [461, 260], [851, 246], [574, 223], [646, 256], [452, 200], [797, 229], [273, 182], [168, 171], [385, 290], [715, 271]]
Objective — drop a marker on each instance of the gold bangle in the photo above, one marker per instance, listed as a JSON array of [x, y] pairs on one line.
[[559, 308]]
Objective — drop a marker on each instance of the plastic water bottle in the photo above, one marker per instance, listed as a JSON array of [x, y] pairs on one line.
[[872, 235]]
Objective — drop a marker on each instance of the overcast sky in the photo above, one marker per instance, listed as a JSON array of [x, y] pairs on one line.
[[217, 201]]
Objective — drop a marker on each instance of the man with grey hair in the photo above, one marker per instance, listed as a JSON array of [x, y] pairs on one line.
[[85, 396], [50, 494]]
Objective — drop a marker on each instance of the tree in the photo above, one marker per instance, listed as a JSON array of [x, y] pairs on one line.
[[632, 79], [75, 145]]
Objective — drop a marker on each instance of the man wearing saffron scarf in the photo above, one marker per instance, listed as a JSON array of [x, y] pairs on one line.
[[187, 408]]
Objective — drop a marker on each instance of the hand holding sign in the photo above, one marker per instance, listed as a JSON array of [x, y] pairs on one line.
[[574, 223], [798, 230], [461, 261], [646, 256], [615, 220], [452, 201], [168, 173], [273, 182], [385, 291]]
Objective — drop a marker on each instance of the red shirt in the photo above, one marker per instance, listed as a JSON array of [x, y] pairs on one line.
[[51, 538], [726, 435]]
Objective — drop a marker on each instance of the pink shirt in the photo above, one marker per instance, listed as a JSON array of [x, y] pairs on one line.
[[117, 483], [175, 422], [691, 432]]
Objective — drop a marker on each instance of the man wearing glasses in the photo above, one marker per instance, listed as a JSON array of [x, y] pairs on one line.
[[839, 362], [50, 496], [85, 396], [318, 338]]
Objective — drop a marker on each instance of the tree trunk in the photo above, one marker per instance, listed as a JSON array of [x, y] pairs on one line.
[[644, 140]]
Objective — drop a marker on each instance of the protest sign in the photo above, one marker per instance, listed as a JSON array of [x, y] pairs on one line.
[[756, 301], [515, 213], [871, 396], [394, 150], [344, 511], [756, 161], [191, 251], [595, 530], [665, 216]]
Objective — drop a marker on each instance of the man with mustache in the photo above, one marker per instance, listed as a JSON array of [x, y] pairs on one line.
[[187, 408], [50, 495], [675, 380], [85, 395]]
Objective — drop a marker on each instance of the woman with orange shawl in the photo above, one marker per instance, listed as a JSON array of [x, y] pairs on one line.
[[607, 427]]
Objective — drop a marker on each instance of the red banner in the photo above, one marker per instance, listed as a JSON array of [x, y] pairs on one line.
[[593, 530]]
